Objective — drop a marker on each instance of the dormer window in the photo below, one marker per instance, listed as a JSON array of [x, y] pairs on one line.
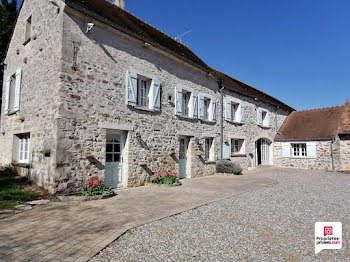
[[28, 30]]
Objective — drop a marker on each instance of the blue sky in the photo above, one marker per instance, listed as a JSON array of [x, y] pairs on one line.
[[297, 51]]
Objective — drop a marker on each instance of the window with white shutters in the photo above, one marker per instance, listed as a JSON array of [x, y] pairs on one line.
[[13, 92], [208, 149], [264, 118], [21, 143], [299, 150], [143, 92], [237, 146]]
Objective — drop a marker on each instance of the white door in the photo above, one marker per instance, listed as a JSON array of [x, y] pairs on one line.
[[265, 149], [183, 157], [114, 160]]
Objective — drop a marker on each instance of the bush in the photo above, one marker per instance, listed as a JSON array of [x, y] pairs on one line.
[[7, 171], [165, 178], [96, 187], [227, 166]]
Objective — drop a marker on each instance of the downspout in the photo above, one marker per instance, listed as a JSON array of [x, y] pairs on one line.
[[221, 87], [332, 155]]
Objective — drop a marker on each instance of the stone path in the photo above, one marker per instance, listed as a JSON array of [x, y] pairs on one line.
[[76, 231]]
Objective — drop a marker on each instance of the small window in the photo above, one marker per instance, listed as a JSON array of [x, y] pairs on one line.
[[208, 149], [299, 150], [185, 102], [263, 117], [237, 146], [28, 30], [234, 112], [21, 144], [206, 108], [143, 86], [12, 94]]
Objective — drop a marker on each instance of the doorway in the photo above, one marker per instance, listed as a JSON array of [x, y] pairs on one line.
[[262, 149], [115, 144], [183, 144]]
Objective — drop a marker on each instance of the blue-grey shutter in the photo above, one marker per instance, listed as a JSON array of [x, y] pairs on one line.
[[243, 113], [155, 95], [286, 149], [7, 95], [201, 107], [311, 150], [269, 119], [195, 104], [228, 110], [18, 89], [212, 112], [178, 104], [132, 89], [259, 116]]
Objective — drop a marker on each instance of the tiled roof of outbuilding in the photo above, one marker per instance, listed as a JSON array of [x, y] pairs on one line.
[[124, 21], [315, 124]]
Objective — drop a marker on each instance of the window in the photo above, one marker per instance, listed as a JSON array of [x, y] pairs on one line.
[[264, 117], [234, 112], [28, 30], [21, 148], [143, 86], [237, 147], [113, 148], [208, 149], [12, 94], [299, 150], [185, 102], [206, 109]]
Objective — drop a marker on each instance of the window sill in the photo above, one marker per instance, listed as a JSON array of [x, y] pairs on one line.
[[144, 109], [210, 162], [19, 164], [207, 121], [235, 122], [27, 41], [265, 127], [238, 155], [12, 113], [187, 118]]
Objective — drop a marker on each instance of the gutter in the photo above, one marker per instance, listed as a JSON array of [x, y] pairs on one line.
[[221, 88], [303, 139], [332, 155]]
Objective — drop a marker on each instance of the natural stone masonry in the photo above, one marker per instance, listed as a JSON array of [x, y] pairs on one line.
[[76, 231], [73, 93]]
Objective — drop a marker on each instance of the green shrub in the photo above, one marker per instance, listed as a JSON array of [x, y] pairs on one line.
[[166, 178], [227, 166], [96, 187]]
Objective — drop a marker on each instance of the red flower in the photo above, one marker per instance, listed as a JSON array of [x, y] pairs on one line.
[[101, 180]]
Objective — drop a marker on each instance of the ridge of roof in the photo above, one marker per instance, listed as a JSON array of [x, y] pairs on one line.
[[319, 109]]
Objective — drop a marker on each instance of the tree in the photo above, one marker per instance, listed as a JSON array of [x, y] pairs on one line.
[[8, 15]]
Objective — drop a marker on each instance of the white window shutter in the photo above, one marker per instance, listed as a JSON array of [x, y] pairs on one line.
[[286, 149], [201, 107], [7, 95], [269, 119], [311, 150], [243, 113], [155, 95], [212, 110], [228, 110], [18, 89], [194, 105], [131, 89], [178, 104], [260, 121]]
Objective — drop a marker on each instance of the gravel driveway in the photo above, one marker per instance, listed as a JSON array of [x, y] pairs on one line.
[[273, 223]]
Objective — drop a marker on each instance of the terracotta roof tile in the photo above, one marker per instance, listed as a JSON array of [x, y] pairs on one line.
[[323, 123]]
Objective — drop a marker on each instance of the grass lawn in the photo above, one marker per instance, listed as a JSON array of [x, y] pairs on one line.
[[11, 193]]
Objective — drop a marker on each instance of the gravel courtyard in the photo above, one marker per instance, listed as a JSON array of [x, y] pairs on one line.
[[273, 223]]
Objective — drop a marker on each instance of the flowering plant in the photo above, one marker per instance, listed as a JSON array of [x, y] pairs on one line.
[[167, 177], [96, 187]]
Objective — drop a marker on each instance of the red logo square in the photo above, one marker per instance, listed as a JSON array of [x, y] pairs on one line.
[[328, 231]]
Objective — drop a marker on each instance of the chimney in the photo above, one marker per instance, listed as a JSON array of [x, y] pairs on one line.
[[120, 3]]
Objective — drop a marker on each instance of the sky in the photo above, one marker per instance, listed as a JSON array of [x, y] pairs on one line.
[[296, 51]]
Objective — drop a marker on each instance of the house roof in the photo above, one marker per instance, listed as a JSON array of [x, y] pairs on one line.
[[315, 124], [124, 21]]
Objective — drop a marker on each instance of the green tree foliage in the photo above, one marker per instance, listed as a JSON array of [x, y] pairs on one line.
[[8, 14]]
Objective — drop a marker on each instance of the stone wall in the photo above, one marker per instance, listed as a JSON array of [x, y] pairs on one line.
[[344, 148], [40, 61], [322, 161], [73, 93]]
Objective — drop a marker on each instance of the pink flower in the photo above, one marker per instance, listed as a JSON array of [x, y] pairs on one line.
[[101, 180]]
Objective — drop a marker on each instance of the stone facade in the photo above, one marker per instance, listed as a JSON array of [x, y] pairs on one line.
[[73, 95], [323, 159], [344, 148]]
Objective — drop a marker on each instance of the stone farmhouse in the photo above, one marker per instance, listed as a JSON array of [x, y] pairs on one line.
[[315, 139], [92, 91]]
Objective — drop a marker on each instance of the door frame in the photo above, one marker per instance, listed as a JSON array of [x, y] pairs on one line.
[[188, 160], [123, 136]]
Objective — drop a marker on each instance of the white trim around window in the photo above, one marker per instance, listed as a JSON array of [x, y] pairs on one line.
[[238, 146]]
